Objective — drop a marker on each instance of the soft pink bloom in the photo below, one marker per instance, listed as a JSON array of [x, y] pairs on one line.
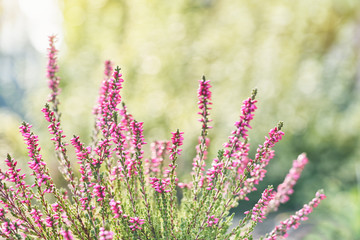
[[52, 69], [108, 104], [256, 167], [176, 140], [36, 215], [236, 147], [99, 192], [12, 175], [105, 235], [49, 221], [104, 89], [137, 222], [137, 138], [204, 96], [212, 220], [67, 234], [160, 185], [285, 189], [54, 128], [115, 208], [83, 155], [106, 122], [215, 171], [294, 220], [259, 210], [158, 151], [36, 162]]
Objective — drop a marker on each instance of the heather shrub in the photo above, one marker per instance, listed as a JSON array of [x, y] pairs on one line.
[[119, 193]]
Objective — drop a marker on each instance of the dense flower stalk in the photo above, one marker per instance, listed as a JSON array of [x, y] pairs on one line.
[[60, 146], [13, 175], [294, 221], [177, 140], [105, 235], [256, 168], [66, 234], [285, 189], [155, 164], [259, 210], [104, 89], [136, 223], [106, 122], [52, 69], [204, 102], [237, 146], [160, 185], [36, 163]]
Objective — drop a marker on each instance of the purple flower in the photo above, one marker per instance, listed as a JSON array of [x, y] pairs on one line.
[[136, 223], [67, 234], [105, 235], [52, 69], [294, 220], [259, 210]]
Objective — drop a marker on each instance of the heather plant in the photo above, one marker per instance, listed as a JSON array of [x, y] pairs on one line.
[[118, 193]]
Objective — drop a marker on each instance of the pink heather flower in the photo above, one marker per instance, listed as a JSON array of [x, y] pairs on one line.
[[105, 235], [212, 220], [115, 208], [99, 192], [108, 68], [65, 219], [107, 109], [199, 160], [185, 185], [294, 220], [137, 222], [36, 215], [67, 234], [125, 124], [119, 139], [52, 69], [104, 89], [196, 160], [214, 172], [102, 150], [158, 151], [259, 210], [3, 212], [83, 155], [109, 103], [54, 128], [160, 185], [57, 210], [177, 140], [12, 175], [6, 229], [204, 96], [49, 221], [286, 188], [256, 167], [36, 163], [138, 137], [235, 147]]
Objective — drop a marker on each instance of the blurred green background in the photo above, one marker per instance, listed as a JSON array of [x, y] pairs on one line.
[[303, 56]]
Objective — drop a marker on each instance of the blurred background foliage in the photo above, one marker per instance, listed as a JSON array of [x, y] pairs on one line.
[[303, 56]]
